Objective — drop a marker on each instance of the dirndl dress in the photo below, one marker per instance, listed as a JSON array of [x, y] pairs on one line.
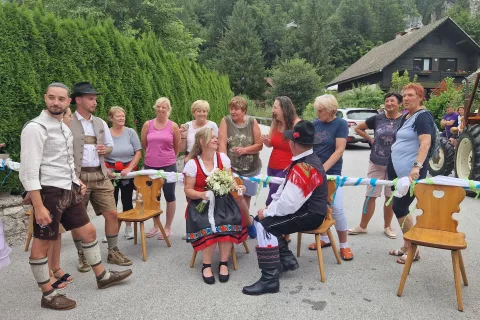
[[229, 226]]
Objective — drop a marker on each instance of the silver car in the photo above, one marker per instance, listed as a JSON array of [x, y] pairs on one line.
[[355, 116]]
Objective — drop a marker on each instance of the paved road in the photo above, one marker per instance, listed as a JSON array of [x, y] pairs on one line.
[[165, 287]]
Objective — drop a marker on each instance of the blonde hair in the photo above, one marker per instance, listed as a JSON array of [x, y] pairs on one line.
[[327, 101], [114, 110], [200, 105], [205, 134], [163, 100]]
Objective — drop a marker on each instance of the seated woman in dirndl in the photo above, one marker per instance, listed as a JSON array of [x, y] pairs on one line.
[[228, 224]]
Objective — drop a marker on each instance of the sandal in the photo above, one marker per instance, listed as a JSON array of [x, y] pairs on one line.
[[168, 233], [323, 244], [398, 252], [57, 285], [403, 259], [64, 278], [152, 232]]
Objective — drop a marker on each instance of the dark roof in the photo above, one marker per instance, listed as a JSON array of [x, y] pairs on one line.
[[380, 57]]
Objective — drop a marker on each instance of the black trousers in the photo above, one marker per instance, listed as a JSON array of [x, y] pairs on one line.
[[292, 223], [127, 186], [401, 205]]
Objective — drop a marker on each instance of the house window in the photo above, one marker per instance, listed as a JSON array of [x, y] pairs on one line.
[[448, 65], [422, 64]]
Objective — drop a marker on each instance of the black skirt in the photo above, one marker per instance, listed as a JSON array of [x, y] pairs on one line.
[[227, 217]]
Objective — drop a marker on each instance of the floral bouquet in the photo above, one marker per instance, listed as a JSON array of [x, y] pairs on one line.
[[220, 182]]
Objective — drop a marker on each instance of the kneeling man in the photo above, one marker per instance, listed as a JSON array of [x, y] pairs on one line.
[[300, 204]]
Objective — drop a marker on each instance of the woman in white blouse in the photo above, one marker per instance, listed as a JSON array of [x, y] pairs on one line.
[[200, 109]]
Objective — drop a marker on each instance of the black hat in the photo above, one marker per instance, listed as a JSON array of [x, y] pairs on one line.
[[82, 88], [303, 133]]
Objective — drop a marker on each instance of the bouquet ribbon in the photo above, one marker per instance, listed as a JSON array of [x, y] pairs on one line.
[[211, 209]]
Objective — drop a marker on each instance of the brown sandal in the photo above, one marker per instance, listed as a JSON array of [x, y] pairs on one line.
[[398, 252], [403, 259]]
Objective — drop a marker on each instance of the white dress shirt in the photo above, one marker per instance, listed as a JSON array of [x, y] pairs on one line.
[[90, 155], [289, 197], [46, 156]]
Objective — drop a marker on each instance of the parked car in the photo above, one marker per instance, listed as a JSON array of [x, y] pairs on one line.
[[355, 116]]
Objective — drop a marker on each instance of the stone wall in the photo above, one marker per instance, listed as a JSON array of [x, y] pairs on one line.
[[14, 219]]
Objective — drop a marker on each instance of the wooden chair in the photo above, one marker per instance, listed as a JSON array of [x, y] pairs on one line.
[[324, 228], [436, 228], [245, 245], [29, 229], [150, 191]]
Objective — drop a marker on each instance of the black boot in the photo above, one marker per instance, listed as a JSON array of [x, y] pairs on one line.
[[288, 262], [269, 262]]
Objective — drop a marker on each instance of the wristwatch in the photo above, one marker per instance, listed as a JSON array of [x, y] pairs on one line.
[[417, 164]]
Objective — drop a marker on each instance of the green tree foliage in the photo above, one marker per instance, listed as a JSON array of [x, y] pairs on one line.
[[449, 94], [388, 19], [363, 96], [468, 22], [38, 48], [399, 81], [298, 80], [133, 18], [240, 53]]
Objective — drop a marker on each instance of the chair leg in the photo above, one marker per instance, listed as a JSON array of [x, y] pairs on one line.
[[299, 243], [321, 266], [334, 246], [134, 233], [406, 268], [456, 274], [234, 258], [192, 261], [29, 239], [144, 241], [462, 268], [157, 218], [246, 247]]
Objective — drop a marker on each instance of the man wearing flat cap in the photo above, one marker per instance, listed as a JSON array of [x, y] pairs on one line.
[[92, 141], [300, 204]]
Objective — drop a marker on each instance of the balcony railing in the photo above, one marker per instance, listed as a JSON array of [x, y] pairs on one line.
[[437, 76]]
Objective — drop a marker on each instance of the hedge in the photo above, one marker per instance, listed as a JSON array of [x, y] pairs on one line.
[[36, 48]]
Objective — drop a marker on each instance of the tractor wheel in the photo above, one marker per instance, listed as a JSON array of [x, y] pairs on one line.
[[442, 165], [467, 157]]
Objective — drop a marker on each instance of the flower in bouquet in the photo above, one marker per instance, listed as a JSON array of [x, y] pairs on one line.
[[220, 182]]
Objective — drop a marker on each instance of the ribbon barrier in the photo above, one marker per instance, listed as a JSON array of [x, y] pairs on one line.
[[401, 186]]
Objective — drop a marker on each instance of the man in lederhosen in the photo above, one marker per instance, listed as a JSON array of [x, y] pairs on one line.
[[92, 141], [47, 172]]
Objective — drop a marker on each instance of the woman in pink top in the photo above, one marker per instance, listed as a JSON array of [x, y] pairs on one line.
[[284, 118], [160, 139]]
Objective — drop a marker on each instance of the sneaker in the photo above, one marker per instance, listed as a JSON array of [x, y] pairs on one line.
[[252, 232], [104, 240], [128, 233], [357, 230], [83, 265], [390, 233], [152, 232], [115, 277], [58, 302], [116, 257]]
